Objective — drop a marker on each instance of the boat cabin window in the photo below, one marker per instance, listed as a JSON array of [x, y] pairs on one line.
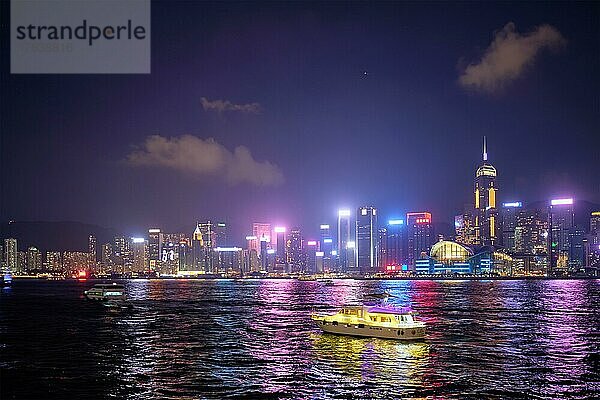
[[348, 311], [385, 319]]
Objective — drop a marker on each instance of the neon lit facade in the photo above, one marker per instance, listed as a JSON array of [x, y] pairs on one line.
[[486, 213]]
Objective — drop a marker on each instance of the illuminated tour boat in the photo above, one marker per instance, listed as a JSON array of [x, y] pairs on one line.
[[373, 320], [106, 292]]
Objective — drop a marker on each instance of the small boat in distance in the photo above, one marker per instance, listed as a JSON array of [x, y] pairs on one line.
[[106, 292], [373, 320], [325, 281], [6, 279]]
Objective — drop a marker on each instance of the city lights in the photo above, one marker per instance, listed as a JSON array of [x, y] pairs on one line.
[[350, 245], [344, 213], [512, 204], [324, 226], [311, 243], [138, 240], [327, 240], [279, 229], [396, 222], [561, 202]]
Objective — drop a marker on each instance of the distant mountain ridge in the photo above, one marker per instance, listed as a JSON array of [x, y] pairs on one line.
[[55, 236]]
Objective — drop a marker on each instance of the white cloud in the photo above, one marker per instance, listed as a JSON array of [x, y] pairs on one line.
[[508, 56], [197, 156], [225, 105]]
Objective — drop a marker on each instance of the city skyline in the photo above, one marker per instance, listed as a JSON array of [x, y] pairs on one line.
[[390, 118]]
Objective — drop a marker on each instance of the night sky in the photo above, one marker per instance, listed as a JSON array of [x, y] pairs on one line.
[[310, 107]]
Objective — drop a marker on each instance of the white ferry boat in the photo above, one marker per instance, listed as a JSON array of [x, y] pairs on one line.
[[106, 292], [373, 320]]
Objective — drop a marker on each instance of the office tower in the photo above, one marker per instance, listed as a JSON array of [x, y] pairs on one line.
[[221, 234], [264, 255], [22, 262], [92, 250], [366, 240], [34, 260], [327, 246], [154, 248], [262, 233], [561, 221], [396, 248], [294, 251], [343, 232], [595, 228], [512, 213], [10, 255], [464, 226], [382, 249], [122, 255], [1, 257], [312, 247], [280, 256], [54, 262], [486, 214], [576, 248], [198, 250], [419, 236], [106, 257], [139, 248]]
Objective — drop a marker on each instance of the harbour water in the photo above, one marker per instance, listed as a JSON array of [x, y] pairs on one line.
[[218, 339]]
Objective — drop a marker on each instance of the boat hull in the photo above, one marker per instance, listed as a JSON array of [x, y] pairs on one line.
[[407, 333]]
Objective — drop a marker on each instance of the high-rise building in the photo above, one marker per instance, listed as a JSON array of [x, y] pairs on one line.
[[122, 255], [511, 214], [561, 221], [221, 235], [295, 255], [420, 236], [396, 249], [262, 233], [280, 256], [34, 260], [464, 226], [343, 237], [106, 257], [92, 250], [155, 239], [10, 255], [76, 262], [54, 262], [366, 240], [139, 248], [22, 261], [382, 249], [327, 247], [312, 247], [486, 214], [198, 250]]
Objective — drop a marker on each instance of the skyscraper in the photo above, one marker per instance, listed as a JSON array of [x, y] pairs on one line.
[[139, 247], [197, 250], [106, 258], [486, 214], [93, 251], [420, 236], [54, 262], [327, 246], [221, 234], [154, 248], [10, 255], [396, 252], [34, 260], [366, 240], [511, 215], [343, 232], [280, 255], [262, 233], [294, 251], [561, 221], [464, 226]]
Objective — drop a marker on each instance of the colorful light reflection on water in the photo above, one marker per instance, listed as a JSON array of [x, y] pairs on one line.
[[254, 338]]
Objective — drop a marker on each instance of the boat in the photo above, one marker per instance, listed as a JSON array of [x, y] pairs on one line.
[[6, 279], [326, 281], [373, 320], [106, 292]]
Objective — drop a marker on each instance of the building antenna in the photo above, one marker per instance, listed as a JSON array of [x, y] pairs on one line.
[[484, 149]]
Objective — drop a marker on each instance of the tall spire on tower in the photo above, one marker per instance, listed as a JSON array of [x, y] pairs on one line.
[[484, 149]]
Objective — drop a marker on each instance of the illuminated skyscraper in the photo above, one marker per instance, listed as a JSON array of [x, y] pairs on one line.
[[92, 249], [420, 236], [198, 250], [396, 251], [154, 248], [295, 255], [221, 235], [464, 226], [34, 260], [343, 232], [262, 233], [382, 248], [280, 255], [54, 262], [312, 247], [106, 258], [327, 247], [561, 221], [512, 214], [486, 214], [366, 240], [139, 249], [10, 255]]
